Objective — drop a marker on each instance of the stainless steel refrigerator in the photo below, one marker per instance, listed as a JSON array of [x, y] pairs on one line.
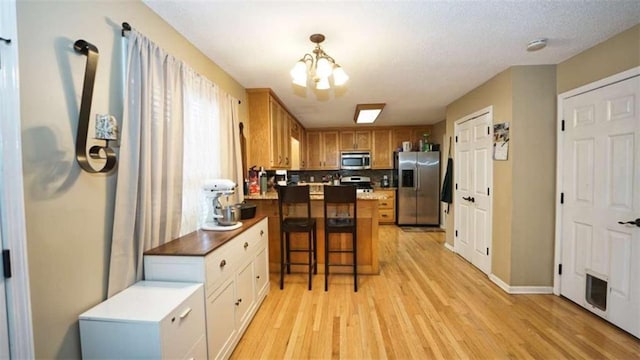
[[418, 175]]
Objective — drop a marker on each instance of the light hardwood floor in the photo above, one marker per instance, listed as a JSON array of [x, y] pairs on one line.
[[427, 303]]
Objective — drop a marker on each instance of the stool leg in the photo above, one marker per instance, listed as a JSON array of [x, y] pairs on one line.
[[310, 234], [326, 260], [355, 260], [281, 262], [288, 253], [315, 250]]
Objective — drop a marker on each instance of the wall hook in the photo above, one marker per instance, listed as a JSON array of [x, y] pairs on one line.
[[95, 152]]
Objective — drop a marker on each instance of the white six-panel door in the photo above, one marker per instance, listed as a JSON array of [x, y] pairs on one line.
[[600, 181], [473, 178]]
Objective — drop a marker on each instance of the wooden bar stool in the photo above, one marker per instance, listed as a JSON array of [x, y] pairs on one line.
[[339, 205], [291, 196]]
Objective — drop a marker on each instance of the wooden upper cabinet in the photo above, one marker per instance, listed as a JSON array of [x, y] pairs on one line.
[[355, 140], [323, 152], [269, 131], [382, 151], [410, 133], [400, 134]]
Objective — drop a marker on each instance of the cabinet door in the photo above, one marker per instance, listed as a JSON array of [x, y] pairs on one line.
[[245, 294], [400, 135], [221, 327], [261, 271], [331, 150], [303, 148], [314, 153], [274, 130], [363, 140], [285, 140], [347, 140], [382, 153]]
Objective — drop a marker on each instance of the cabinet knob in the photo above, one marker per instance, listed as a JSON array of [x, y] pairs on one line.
[[223, 263], [238, 302], [261, 232], [246, 245], [258, 277]]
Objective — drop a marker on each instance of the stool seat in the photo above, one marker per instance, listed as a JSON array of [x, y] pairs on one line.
[[341, 216], [296, 195], [297, 224]]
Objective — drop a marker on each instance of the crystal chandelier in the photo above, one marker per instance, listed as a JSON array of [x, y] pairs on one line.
[[318, 68]]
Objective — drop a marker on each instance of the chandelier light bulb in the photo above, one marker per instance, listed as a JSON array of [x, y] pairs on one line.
[[299, 72], [340, 77], [323, 84], [323, 67]]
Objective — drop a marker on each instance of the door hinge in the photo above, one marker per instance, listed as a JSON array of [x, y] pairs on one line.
[[561, 198], [562, 125], [456, 233], [559, 269], [487, 251], [6, 263]]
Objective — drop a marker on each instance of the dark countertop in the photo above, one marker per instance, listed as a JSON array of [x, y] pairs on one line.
[[201, 242]]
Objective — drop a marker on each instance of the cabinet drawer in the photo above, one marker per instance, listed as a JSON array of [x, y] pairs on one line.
[[254, 240], [221, 264], [183, 327], [386, 204], [386, 215]]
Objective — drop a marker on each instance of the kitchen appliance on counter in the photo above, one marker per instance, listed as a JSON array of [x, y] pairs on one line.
[[418, 187], [215, 215], [281, 177], [355, 160], [362, 183]]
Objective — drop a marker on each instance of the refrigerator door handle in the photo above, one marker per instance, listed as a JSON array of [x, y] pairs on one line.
[[417, 178]]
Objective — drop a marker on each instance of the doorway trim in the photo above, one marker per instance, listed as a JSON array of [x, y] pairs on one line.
[[12, 217], [557, 280]]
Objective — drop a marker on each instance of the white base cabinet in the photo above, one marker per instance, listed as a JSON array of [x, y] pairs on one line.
[[236, 278], [149, 319]]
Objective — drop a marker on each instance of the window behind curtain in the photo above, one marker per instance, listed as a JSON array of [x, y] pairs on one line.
[[201, 145]]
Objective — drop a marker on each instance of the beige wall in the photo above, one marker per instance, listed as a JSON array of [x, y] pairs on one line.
[[69, 212], [524, 186], [497, 93], [617, 54], [532, 147]]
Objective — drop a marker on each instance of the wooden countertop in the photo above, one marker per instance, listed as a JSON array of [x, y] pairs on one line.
[[201, 242]]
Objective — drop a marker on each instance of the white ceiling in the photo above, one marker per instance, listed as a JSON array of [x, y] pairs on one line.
[[417, 57]]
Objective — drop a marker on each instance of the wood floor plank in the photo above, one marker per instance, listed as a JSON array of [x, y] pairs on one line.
[[427, 303]]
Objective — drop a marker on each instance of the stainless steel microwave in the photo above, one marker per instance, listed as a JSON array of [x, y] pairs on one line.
[[355, 160]]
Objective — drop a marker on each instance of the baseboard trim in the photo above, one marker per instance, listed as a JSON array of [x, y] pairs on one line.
[[448, 247], [520, 289]]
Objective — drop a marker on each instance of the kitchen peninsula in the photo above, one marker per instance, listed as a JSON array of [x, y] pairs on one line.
[[367, 203]]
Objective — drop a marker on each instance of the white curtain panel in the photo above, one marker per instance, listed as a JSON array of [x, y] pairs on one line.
[[149, 188], [231, 165]]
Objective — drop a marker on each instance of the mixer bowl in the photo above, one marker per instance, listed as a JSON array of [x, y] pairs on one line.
[[230, 215]]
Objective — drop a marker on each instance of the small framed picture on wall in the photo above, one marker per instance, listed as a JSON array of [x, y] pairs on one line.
[[501, 141]]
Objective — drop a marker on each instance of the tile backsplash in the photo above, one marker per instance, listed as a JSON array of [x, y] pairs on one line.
[[325, 175]]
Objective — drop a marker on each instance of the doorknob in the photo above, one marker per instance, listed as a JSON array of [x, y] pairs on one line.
[[635, 222], [469, 198]]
